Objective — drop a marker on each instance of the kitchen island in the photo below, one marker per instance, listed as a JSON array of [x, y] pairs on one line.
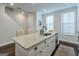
[[35, 44]]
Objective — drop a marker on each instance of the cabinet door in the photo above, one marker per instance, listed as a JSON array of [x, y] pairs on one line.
[[45, 50], [42, 53], [32, 51], [53, 45], [20, 51], [37, 49], [50, 45], [41, 49]]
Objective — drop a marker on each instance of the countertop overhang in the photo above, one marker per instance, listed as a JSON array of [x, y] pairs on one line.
[[27, 41]]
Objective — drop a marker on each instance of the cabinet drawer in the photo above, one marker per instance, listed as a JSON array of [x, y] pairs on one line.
[[50, 39], [32, 51], [42, 53], [35, 50], [46, 51]]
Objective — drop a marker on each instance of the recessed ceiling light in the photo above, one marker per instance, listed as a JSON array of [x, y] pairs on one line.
[[12, 4]]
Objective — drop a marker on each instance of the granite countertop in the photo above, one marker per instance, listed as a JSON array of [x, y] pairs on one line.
[[30, 40]]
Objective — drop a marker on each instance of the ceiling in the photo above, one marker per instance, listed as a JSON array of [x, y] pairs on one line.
[[39, 6], [33, 7]]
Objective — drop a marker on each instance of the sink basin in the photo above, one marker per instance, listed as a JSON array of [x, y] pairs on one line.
[[46, 34]]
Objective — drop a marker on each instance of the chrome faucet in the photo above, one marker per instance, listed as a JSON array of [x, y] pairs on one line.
[[43, 30]]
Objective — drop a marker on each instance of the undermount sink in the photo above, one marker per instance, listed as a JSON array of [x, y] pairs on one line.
[[46, 34]]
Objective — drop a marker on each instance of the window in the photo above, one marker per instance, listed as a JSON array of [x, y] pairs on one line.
[[67, 23], [50, 22]]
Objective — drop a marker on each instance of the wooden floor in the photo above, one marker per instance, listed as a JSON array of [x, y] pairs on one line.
[[8, 50], [64, 50], [72, 45]]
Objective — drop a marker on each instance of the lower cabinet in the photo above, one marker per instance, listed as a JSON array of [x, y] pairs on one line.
[[20, 51], [33, 51], [44, 48]]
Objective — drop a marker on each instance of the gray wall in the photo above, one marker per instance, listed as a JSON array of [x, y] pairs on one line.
[[7, 27]]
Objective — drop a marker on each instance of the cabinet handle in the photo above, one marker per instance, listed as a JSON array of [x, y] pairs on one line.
[[35, 48], [47, 45]]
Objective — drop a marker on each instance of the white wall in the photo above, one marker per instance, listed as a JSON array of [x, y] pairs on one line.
[[64, 37], [7, 27], [57, 23], [31, 23], [78, 19], [38, 18], [27, 20]]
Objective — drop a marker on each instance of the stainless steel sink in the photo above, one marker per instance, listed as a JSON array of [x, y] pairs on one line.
[[47, 34]]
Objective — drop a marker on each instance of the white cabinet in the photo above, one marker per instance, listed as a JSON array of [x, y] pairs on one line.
[[35, 49], [43, 48], [20, 51], [32, 51], [49, 46]]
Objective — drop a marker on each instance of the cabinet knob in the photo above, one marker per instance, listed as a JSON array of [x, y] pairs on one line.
[[35, 48], [47, 45], [78, 37], [40, 51], [45, 42]]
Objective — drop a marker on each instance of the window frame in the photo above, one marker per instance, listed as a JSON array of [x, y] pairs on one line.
[[52, 21], [69, 23]]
